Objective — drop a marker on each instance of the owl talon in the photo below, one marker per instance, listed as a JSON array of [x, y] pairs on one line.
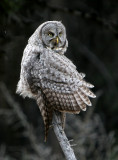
[[50, 126], [53, 124]]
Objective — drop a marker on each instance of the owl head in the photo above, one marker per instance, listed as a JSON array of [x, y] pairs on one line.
[[52, 35]]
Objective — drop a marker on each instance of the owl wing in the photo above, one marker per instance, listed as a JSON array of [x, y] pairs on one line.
[[64, 98], [64, 88]]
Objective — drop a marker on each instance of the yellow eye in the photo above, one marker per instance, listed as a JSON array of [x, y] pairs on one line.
[[50, 34], [60, 34]]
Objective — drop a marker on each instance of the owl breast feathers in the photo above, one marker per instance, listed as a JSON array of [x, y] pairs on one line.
[[48, 76]]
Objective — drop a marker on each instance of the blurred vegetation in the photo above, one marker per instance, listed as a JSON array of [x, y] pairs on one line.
[[11, 6], [92, 31]]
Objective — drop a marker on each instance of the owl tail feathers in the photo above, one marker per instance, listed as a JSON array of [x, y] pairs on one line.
[[46, 113], [47, 120]]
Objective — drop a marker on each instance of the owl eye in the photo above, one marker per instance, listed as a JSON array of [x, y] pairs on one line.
[[60, 34], [50, 34]]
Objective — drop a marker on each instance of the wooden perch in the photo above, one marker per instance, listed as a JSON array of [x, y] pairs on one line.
[[61, 136]]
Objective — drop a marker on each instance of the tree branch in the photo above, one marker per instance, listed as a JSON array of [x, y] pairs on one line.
[[61, 136]]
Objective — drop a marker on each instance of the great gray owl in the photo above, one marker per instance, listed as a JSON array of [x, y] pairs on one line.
[[49, 77]]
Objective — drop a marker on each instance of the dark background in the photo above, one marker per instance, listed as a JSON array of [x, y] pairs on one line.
[[92, 32]]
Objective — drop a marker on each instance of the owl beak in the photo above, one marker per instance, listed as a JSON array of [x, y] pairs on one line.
[[57, 40]]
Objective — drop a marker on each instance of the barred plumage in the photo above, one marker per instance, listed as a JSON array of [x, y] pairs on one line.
[[48, 76]]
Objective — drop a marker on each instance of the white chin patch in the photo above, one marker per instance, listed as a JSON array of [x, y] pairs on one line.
[[55, 49]]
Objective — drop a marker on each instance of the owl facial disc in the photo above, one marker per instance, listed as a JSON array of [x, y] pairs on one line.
[[54, 36]]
